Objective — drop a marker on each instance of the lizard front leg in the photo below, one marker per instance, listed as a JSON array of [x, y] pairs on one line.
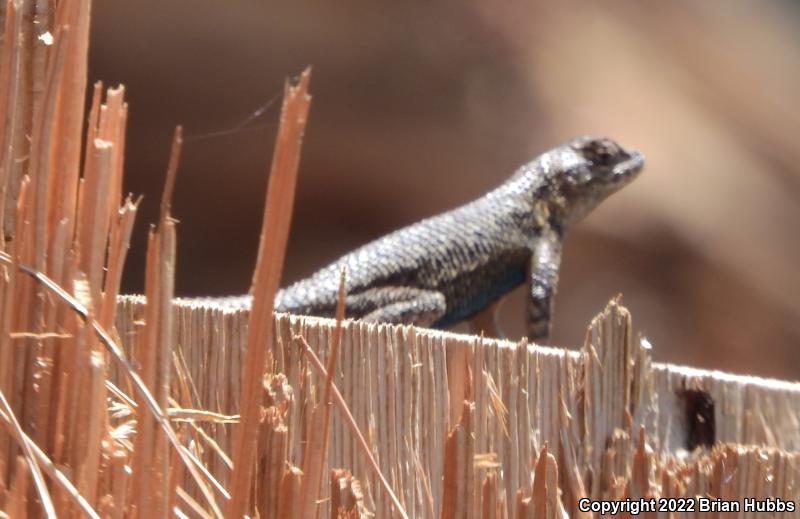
[[398, 305], [542, 280]]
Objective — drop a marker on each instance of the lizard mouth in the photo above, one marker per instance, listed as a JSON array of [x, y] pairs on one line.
[[631, 163]]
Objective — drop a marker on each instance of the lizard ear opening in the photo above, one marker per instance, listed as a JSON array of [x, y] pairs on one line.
[[577, 176]]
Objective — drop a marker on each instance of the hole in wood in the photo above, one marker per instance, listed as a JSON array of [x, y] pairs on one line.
[[700, 425]]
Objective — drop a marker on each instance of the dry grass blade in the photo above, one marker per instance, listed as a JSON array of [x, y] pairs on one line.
[[172, 174], [193, 505], [12, 107], [43, 335], [9, 92], [55, 474], [209, 441], [119, 240], [92, 227], [500, 410], [180, 414], [145, 489], [38, 480], [353, 426], [128, 370], [153, 488], [458, 475], [271, 251], [123, 397], [316, 450], [209, 477], [41, 148], [41, 171], [69, 119]]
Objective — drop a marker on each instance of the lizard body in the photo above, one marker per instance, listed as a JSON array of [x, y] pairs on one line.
[[450, 267]]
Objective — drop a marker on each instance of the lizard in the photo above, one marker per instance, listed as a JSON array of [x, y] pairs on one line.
[[456, 266]]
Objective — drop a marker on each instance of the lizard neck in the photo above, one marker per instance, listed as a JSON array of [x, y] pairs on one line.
[[530, 201]]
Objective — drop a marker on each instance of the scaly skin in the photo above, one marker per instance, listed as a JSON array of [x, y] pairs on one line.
[[451, 267]]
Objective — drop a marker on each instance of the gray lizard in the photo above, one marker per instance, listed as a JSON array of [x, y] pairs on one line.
[[454, 266]]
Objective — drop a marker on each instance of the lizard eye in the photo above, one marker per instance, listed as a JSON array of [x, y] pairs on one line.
[[601, 152]]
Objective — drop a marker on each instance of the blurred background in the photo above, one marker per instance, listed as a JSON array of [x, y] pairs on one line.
[[419, 107]]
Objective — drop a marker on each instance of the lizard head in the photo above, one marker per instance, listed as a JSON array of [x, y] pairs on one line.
[[587, 170]]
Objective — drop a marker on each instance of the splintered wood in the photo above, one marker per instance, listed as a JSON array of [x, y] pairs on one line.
[[535, 429], [154, 407], [271, 251]]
